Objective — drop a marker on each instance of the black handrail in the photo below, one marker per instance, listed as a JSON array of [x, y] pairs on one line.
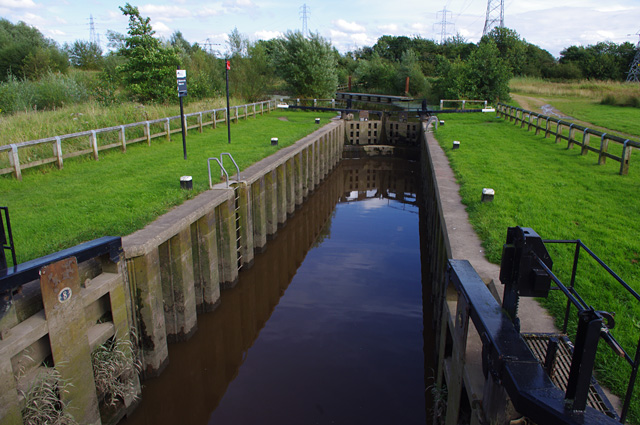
[[581, 305]]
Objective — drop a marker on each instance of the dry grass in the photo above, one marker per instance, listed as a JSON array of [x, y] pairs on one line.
[[594, 90], [42, 400]]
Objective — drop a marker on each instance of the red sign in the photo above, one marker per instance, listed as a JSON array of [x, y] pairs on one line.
[[228, 64]]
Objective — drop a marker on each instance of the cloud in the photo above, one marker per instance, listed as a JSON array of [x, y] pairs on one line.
[[239, 4], [209, 11], [388, 28], [165, 13], [18, 4], [162, 29], [267, 35], [348, 27]]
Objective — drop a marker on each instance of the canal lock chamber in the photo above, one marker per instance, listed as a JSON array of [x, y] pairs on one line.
[[331, 324]]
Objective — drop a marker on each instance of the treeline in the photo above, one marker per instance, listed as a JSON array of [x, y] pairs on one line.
[[36, 73]]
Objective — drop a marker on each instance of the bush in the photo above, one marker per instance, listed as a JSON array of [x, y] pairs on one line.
[[50, 92]]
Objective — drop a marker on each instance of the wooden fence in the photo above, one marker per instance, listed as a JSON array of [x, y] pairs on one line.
[[113, 137], [533, 120]]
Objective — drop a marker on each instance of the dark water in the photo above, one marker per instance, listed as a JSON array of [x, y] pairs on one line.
[[325, 328]]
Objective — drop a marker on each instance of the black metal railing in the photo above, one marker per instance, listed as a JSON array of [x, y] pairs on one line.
[[574, 298], [6, 239]]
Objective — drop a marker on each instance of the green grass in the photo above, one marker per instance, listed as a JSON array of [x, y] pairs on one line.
[[561, 195], [619, 118], [122, 192]]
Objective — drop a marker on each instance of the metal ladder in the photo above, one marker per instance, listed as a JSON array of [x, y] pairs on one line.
[[236, 196]]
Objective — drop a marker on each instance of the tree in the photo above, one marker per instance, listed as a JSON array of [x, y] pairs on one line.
[[26, 53], [149, 72], [510, 47], [308, 65], [84, 54], [487, 74]]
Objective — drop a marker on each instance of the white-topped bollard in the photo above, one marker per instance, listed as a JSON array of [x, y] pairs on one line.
[[317, 120], [186, 182], [488, 194], [441, 122], [274, 141], [456, 144]]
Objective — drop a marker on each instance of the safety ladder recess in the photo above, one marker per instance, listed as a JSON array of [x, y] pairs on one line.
[[238, 227]]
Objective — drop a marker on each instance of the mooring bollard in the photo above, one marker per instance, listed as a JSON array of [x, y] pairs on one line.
[[317, 120], [488, 194], [456, 144], [186, 182], [274, 141], [441, 122]]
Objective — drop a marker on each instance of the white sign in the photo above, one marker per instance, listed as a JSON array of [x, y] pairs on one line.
[[181, 73]]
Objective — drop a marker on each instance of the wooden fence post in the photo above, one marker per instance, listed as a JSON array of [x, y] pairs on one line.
[[123, 138], [57, 151], [570, 141], [147, 132], [558, 131], [546, 128], [14, 159], [585, 142], [626, 155], [167, 128], [200, 122], [94, 144], [604, 146]]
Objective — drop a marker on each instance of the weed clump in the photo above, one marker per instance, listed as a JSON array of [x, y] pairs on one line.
[[115, 368], [42, 401]]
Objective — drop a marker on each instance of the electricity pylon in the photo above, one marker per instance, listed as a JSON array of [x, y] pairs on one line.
[[304, 10], [443, 24], [634, 71], [495, 16]]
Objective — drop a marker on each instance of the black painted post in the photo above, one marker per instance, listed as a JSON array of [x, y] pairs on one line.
[[228, 63], [184, 136]]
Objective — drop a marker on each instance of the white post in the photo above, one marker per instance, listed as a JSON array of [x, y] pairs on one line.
[[94, 144], [57, 150], [123, 139]]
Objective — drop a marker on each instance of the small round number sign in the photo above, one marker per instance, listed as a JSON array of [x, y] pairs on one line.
[[64, 295]]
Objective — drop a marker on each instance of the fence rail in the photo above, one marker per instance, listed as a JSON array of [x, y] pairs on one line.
[[150, 130], [463, 101], [527, 118]]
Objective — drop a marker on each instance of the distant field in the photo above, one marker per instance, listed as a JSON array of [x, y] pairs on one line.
[[561, 195], [582, 101], [122, 192]]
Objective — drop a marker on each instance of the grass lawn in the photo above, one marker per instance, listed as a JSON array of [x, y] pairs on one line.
[[122, 192], [619, 118], [561, 195]]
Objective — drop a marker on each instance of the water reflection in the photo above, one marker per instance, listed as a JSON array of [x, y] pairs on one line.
[[336, 339]]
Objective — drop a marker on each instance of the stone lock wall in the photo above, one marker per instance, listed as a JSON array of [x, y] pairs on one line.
[[160, 279]]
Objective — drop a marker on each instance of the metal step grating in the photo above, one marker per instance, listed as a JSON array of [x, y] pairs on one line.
[[538, 343]]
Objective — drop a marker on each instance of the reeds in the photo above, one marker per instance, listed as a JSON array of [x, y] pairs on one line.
[[42, 401]]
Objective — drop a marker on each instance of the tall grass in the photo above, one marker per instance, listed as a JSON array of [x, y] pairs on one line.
[[31, 124], [620, 93], [561, 195]]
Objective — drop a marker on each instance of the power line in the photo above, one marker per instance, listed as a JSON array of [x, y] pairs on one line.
[[304, 11], [495, 16], [444, 24]]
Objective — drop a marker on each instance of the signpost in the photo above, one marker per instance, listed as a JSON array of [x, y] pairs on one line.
[[228, 110], [181, 75]]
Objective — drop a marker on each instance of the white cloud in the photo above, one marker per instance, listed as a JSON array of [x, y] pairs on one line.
[[267, 35], [388, 28], [239, 4], [349, 27], [18, 4], [166, 13], [209, 11], [162, 29]]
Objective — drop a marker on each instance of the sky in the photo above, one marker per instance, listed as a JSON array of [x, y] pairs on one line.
[[551, 24]]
